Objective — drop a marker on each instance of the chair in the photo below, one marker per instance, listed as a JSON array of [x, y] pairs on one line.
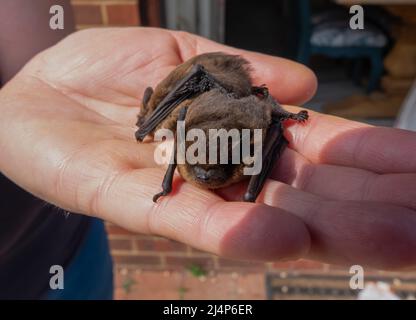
[[329, 34]]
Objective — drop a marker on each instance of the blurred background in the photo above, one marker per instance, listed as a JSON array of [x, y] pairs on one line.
[[366, 75]]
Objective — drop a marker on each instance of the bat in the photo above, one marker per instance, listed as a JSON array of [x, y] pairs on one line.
[[215, 91]]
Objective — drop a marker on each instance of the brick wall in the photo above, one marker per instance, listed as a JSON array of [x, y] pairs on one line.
[[135, 253], [99, 13]]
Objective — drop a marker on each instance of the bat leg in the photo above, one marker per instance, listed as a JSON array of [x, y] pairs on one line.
[[167, 181], [260, 91], [146, 97], [198, 80], [275, 143], [168, 178], [279, 113], [301, 116]]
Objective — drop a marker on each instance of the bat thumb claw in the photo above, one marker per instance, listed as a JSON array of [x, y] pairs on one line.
[[249, 197], [157, 196]]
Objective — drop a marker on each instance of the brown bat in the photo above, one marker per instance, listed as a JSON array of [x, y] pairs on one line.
[[215, 91]]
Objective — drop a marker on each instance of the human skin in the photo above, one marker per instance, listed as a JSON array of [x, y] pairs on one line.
[[348, 189]]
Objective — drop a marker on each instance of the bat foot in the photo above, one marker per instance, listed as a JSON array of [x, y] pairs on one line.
[[139, 136], [249, 197], [301, 116], [158, 195]]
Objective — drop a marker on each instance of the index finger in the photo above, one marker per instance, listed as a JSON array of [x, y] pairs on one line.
[[333, 140]]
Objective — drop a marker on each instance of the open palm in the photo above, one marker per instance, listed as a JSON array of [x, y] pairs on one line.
[[67, 135]]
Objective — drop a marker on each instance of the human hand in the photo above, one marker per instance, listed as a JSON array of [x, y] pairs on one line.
[[67, 136], [354, 186]]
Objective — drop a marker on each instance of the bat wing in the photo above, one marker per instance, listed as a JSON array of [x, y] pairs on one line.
[[274, 144], [196, 82]]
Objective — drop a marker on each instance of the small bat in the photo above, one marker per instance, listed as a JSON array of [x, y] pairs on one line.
[[214, 91]]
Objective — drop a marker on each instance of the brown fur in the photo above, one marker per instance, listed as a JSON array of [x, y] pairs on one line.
[[213, 109], [232, 71]]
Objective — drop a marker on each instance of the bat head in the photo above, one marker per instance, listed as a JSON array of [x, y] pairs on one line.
[[221, 119]]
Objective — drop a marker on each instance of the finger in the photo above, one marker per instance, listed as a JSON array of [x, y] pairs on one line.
[[345, 183], [289, 82], [332, 140], [371, 234], [196, 217]]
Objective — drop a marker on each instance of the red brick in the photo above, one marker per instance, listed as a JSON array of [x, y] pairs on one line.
[[123, 14], [307, 264], [160, 245], [121, 244], [338, 268], [283, 265], [136, 260], [112, 229], [186, 262], [170, 246], [87, 14], [228, 263], [145, 244]]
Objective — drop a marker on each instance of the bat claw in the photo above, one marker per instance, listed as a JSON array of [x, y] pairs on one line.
[[158, 195], [301, 116], [249, 197]]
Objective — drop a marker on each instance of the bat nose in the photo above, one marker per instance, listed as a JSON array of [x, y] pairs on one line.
[[203, 177], [202, 174]]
